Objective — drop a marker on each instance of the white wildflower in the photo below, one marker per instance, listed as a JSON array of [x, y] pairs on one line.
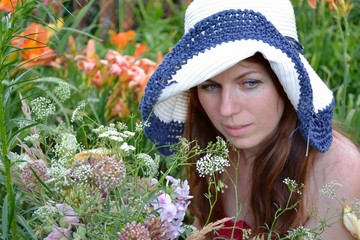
[[42, 108], [58, 174], [126, 148], [148, 165], [76, 116], [81, 173], [330, 189], [44, 211], [32, 138], [210, 164], [139, 127], [23, 123], [301, 233], [67, 146], [62, 91], [293, 185]]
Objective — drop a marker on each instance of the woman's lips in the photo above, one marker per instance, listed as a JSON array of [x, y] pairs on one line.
[[236, 131]]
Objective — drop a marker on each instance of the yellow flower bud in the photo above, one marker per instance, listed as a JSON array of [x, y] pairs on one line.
[[351, 222]]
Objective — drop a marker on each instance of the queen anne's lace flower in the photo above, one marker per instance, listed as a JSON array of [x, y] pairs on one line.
[[149, 165], [76, 116], [330, 189], [62, 92], [42, 108], [67, 146], [134, 231], [210, 164], [301, 233], [81, 172]]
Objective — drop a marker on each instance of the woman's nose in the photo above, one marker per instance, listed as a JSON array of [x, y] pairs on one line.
[[230, 102]]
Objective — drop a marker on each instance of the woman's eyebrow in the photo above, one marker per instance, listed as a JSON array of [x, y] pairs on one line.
[[241, 75]]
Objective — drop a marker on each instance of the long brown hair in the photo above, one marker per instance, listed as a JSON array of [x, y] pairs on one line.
[[284, 156]]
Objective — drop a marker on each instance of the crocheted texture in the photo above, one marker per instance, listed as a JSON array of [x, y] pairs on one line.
[[223, 27]]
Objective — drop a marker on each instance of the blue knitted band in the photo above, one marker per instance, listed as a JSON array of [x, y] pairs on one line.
[[223, 27]]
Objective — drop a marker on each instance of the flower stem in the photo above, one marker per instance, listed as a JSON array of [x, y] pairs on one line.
[[7, 166]]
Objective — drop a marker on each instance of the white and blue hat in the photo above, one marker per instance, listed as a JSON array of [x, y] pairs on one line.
[[219, 34]]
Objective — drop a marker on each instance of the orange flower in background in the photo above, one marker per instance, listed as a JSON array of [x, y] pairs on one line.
[[341, 5], [123, 76], [140, 49], [33, 44], [312, 3], [121, 39], [8, 5]]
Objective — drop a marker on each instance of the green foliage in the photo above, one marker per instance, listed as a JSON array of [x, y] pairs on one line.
[[331, 45]]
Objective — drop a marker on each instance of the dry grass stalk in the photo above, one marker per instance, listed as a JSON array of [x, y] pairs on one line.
[[200, 235]]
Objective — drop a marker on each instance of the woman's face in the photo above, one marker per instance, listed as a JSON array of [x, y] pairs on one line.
[[243, 104]]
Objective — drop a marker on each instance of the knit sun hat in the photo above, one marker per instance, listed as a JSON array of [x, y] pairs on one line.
[[218, 35]]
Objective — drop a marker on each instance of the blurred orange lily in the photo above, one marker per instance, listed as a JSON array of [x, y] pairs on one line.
[[340, 5], [121, 39], [8, 5], [33, 44], [140, 49]]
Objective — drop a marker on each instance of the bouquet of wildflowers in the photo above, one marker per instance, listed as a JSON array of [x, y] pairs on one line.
[[113, 190]]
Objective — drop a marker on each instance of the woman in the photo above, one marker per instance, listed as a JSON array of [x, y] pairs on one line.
[[238, 73]]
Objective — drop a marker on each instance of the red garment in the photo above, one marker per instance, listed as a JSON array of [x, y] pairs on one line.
[[227, 230]]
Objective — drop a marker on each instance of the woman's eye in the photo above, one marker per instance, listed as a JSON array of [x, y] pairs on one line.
[[251, 83], [209, 86]]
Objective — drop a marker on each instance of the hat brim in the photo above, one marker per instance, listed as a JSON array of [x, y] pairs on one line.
[[203, 53]]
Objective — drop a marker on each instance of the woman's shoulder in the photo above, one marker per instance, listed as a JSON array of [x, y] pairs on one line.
[[335, 181], [343, 158], [341, 162]]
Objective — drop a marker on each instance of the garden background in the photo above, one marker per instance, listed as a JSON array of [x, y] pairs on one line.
[[68, 67]]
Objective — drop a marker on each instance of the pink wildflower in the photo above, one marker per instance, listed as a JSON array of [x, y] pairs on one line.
[[59, 233], [109, 172], [134, 231], [27, 176], [68, 213]]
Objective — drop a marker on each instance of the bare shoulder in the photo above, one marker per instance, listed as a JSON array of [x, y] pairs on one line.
[[335, 181], [341, 163]]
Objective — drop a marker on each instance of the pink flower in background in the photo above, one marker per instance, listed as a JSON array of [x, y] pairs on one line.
[[59, 233], [68, 213], [97, 79]]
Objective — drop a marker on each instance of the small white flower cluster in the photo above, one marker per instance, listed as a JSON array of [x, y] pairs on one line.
[[23, 123], [42, 108], [330, 189], [43, 212], [300, 233], [32, 138], [67, 146], [118, 135], [148, 165], [81, 173], [75, 115], [211, 164], [62, 91], [58, 174], [139, 127], [293, 185]]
